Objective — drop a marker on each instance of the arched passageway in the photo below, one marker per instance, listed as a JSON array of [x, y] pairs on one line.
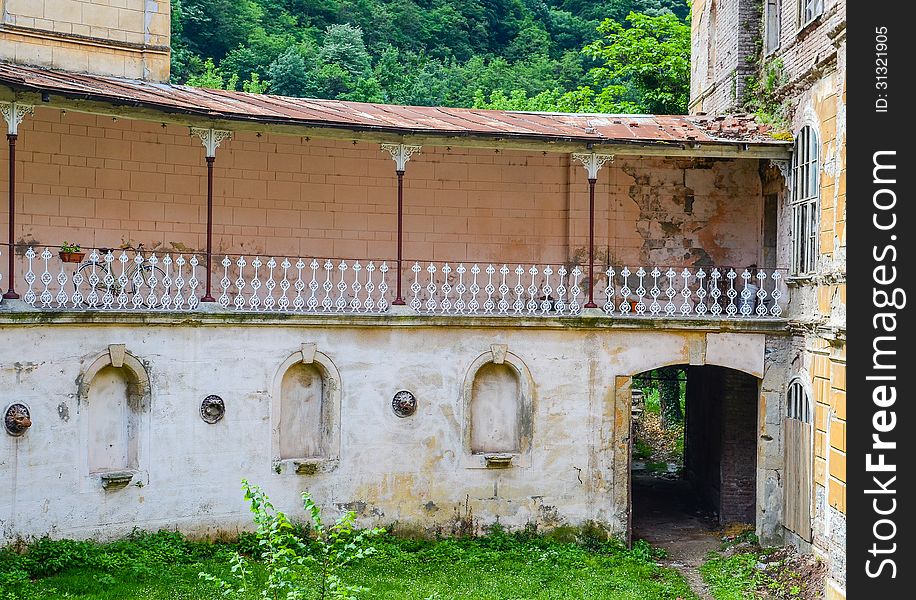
[[694, 451]]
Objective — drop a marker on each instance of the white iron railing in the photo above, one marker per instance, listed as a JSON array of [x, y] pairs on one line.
[[302, 285], [454, 288], [111, 280], [694, 292], [141, 280]]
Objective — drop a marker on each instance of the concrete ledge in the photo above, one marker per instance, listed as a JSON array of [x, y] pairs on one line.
[[12, 313]]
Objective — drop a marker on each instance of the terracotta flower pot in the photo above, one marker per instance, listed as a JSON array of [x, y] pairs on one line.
[[71, 257]]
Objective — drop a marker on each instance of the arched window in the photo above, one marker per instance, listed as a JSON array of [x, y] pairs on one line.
[[805, 202], [798, 406], [799, 463]]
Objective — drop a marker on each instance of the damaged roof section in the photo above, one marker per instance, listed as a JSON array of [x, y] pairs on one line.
[[222, 105]]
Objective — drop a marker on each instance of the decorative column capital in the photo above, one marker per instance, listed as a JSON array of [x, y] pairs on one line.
[[211, 138], [592, 162], [401, 154], [13, 113], [784, 166]]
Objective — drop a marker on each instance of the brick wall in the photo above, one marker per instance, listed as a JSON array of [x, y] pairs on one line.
[[106, 183], [803, 50], [124, 38], [739, 447], [721, 440], [724, 35]]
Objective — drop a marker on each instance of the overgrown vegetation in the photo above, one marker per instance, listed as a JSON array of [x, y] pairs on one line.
[[659, 432], [499, 565], [762, 96], [569, 55], [310, 561], [296, 565], [744, 571]]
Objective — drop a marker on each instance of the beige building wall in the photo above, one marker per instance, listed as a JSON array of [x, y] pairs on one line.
[[810, 59], [824, 106], [106, 183], [414, 472], [123, 38]]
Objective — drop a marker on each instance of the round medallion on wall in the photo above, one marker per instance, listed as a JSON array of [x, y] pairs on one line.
[[17, 419], [212, 409], [404, 403]]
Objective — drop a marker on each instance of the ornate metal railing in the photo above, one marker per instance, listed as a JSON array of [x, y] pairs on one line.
[[488, 289], [138, 280]]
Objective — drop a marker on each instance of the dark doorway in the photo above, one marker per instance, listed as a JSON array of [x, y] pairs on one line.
[[699, 472]]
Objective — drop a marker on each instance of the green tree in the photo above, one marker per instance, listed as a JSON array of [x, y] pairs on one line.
[[213, 78], [651, 58], [288, 75], [212, 28], [344, 47], [669, 396]]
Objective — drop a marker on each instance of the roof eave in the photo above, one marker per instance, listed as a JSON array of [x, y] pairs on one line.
[[150, 111]]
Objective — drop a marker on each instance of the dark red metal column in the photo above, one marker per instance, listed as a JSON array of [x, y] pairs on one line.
[[208, 297], [591, 244], [399, 300], [11, 272]]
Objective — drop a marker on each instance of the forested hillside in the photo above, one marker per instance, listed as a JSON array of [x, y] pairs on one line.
[[569, 55]]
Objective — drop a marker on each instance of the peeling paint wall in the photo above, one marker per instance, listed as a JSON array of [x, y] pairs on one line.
[[819, 302], [812, 59], [406, 470]]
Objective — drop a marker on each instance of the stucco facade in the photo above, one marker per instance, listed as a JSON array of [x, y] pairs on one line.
[[413, 471]]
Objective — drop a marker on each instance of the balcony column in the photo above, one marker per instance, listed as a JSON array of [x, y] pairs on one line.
[[401, 154], [210, 138], [592, 163], [13, 113]]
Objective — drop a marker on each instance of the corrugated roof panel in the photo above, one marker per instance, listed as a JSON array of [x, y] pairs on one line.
[[233, 105]]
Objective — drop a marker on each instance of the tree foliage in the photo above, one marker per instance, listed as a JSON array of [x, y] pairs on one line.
[[562, 55]]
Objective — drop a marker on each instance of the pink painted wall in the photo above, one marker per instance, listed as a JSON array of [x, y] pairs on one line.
[[102, 182]]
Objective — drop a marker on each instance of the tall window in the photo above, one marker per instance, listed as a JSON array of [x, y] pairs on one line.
[[805, 205], [808, 10], [772, 26], [798, 406]]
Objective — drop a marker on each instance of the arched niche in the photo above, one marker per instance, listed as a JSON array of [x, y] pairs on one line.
[[114, 396], [305, 412], [498, 410]]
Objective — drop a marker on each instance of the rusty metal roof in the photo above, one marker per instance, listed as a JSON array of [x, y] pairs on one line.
[[359, 116]]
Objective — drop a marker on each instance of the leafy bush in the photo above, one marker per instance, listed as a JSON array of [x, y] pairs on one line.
[[293, 560]]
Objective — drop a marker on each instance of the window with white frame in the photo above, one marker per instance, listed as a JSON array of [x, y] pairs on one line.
[[798, 406], [772, 25], [805, 202], [808, 10]]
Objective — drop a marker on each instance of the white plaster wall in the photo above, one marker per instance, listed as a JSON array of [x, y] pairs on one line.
[[408, 470]]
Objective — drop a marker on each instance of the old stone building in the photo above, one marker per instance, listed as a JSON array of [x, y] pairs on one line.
[[431, 316], [801, 46]]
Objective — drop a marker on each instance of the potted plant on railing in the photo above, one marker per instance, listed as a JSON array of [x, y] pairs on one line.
[[71, 253]]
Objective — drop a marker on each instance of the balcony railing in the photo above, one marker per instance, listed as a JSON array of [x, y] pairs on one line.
[[137, 280]]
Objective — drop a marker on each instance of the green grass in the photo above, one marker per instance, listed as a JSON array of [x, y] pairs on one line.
[[732, 578], [501, 566]]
